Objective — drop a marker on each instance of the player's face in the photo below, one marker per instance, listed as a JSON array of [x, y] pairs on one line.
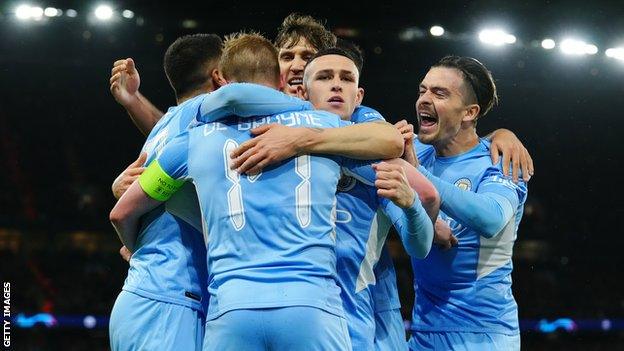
[[332, 85], [441, 105], [292, 61]]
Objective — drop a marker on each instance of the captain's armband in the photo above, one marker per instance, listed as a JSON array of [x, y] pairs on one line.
[[157, 183]]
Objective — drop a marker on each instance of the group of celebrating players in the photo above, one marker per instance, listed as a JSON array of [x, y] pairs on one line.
[[256, 216]]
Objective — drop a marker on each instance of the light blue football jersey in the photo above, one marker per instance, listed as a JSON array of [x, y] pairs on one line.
[[271, 239], [468, 288], [169, 262]]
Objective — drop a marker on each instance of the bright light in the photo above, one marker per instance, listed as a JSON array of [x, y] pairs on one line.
[[616, 53], [22, 12], [36, 13], [436, 31], [577, 47], [548, 44], [591, 49], [127, 14], [496, 37], [104, 12], [71, 13], [50, 12]]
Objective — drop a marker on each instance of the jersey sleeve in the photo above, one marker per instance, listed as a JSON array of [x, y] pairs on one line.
[[247, 100], [489, 209], [167, 173], [361, 170], [413, 225], [363, 114]]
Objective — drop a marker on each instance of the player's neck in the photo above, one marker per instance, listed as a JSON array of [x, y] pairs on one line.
[[463, 141], [208, 88]]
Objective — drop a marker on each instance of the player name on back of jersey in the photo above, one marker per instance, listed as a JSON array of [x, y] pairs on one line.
[[289, 119]]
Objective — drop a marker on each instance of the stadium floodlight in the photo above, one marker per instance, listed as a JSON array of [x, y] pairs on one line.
[[496, 37], [548, 44], [615, 53], [26, 12], [22, 12], [104, 12], [50, 12], [127, 14], [591, 49], [436, 31], [36, 13], [577, 47], [71, 13]]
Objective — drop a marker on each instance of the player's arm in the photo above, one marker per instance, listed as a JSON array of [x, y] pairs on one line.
[[506, 143], [161, 179], [247, 100], [488, 210], [275, 142], [404, 209], [126, 214], [124, 85]]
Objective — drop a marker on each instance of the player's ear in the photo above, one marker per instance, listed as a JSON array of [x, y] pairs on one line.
[[302, 93], [221, 81], [471, 113], [282, 82], [214, 77], [359, 97]]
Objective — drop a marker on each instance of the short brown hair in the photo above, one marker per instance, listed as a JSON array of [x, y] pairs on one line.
[[477, 77], [297, 26], [249, 57]]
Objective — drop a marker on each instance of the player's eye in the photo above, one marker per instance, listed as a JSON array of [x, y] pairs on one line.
[[286, 57]]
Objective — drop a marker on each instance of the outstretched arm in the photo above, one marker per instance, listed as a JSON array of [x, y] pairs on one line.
[[274, 143], [247, 100], [124, 85], [488, 210]]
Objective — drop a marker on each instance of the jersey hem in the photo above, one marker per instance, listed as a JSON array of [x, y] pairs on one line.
[[337, 311], [418, 328], [168, 299]]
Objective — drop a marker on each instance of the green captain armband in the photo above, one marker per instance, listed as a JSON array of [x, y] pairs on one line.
[[157, 183]]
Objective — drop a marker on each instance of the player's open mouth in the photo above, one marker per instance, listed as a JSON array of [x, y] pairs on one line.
[[427, 120], [295, 81], [335, 101]]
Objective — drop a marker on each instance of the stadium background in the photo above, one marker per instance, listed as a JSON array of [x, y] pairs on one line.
[[63, 139]]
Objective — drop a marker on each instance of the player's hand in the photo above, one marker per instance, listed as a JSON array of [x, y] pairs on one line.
[[128, 176], [443, 236], [407, 132], [125, 253], [124, 81], [272, 143], [506, 143], [392, 184]]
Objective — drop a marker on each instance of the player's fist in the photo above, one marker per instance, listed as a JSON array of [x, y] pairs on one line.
[[128, 176], [407, 132], [124, 81], [391, 183]]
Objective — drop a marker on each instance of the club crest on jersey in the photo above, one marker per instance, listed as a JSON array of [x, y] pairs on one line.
[[464, 184], [345, 183]]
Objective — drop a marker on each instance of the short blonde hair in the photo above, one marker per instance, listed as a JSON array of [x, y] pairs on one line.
[[250, 58]]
